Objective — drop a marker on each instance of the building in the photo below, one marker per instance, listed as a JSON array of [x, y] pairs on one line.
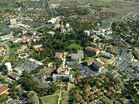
[[53, 20], [26, 38], [62, 71], [6, 37], [94, 45], [84, 71], [76, 56], [96, 66], [52, 33], [87, 32], [13, 21], [8, 66], [107, 55], [64, 78], [3, 90], [90, 51], [16, 40], [13, 75], [136, 54], [53, 6], [2, 50], [29, 64], [38, 47], [58, 55]]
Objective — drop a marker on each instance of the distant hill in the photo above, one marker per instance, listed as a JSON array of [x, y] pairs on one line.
[[7, 1], [82, 1]]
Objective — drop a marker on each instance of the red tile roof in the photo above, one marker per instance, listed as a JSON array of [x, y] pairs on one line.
[[13, 75], [3, 89], [91, 49], [136, 54]]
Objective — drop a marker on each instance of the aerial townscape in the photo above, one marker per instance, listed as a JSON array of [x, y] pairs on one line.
[[69, 51]]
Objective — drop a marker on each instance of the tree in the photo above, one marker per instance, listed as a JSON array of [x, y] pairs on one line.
[[3, 99], [13, 90], [5, 71]]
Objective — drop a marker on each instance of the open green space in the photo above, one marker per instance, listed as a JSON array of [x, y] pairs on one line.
[[51, 99], [4, 7], [103, 4], [75, 46], [65, 98]]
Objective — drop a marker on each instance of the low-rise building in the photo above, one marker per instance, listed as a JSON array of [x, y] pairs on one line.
[[91, 51], [6, 37], [3, 90], [106, 55], [26, 38], [2, 50], [13, 75], [96, 66], [136, 54], [58, 55], [59, 77], [38, 47], [76, 56], [62, 71]]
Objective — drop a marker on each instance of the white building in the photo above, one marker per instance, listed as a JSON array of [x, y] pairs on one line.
[[8, 66]]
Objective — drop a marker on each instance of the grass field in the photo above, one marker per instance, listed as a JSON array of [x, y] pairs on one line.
[[6, 7], [65, 98], [52, 99], [103, 4]]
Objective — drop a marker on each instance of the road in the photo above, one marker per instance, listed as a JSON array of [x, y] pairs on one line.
[[60, 93]]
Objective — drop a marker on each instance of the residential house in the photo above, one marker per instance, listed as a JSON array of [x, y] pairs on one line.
[[52, 33], [3, 90], [53, 20], [26, 38], [16, 40], [13, 75], [2, 50], [58, 55], [87, 32], [38, 47]]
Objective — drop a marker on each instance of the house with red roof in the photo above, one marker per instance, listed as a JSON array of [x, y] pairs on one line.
[[91, 51], [3, 90], [136, 54]]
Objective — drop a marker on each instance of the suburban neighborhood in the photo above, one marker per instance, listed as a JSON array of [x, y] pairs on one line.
[[69, 52]]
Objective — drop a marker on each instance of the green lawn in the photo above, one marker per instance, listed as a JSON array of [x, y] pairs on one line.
[[75, 46], [65, 98], [103, 4], [6, 7], [51, 99]]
